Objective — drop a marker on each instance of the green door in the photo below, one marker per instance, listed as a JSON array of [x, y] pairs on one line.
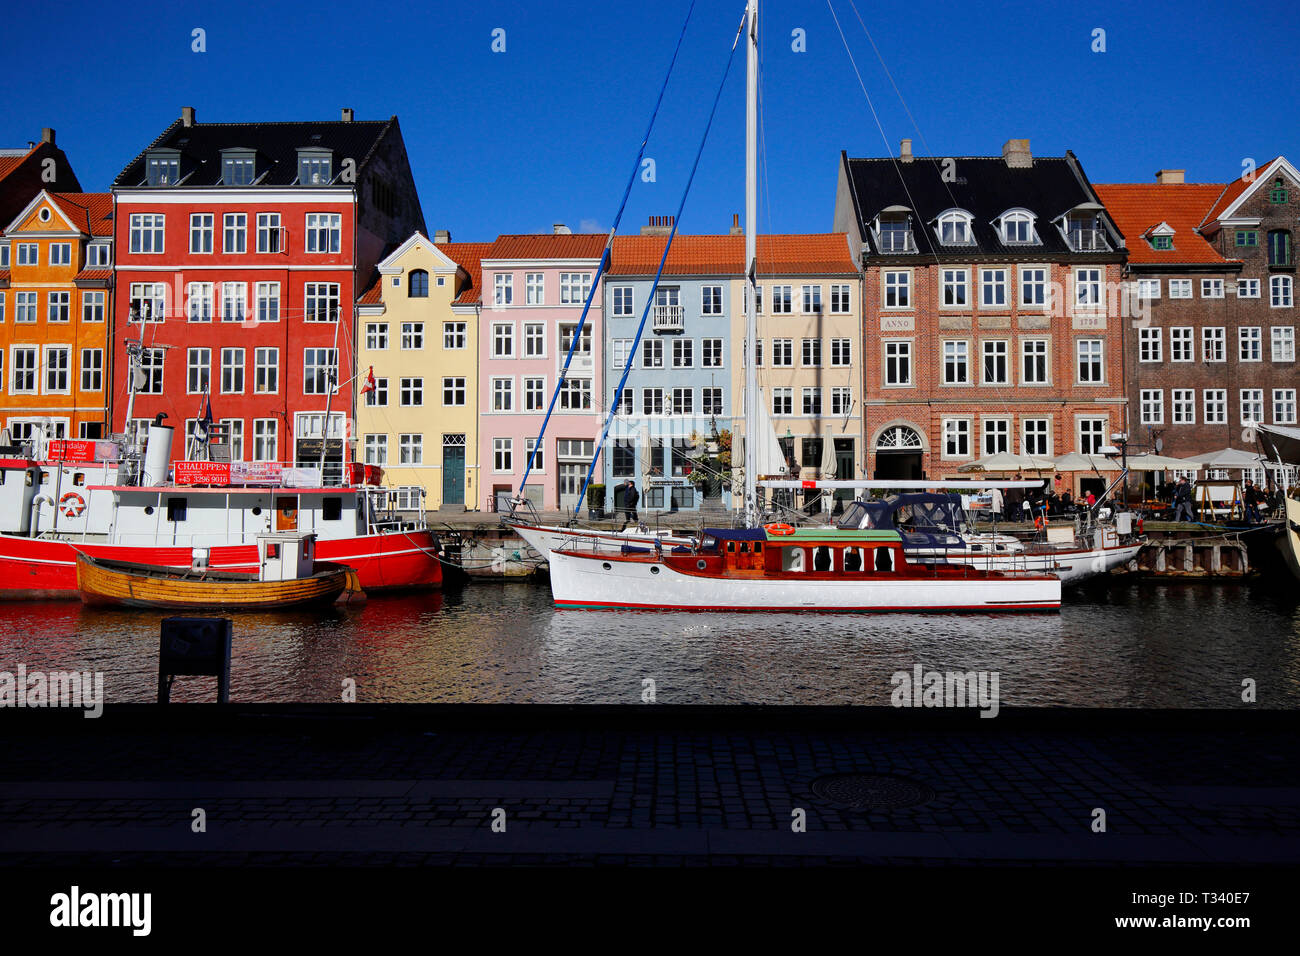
[[453, 474]]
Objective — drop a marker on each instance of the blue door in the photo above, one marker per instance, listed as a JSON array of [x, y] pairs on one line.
[[453, 471]]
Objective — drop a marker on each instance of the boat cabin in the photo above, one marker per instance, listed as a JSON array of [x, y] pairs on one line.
[[813, 551]]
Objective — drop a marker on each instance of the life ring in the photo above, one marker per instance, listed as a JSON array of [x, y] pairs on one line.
[[779, 528], [1038, 523], [72, 505]]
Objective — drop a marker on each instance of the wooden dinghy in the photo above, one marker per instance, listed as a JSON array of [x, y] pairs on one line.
[[122, 584], [289, 577]]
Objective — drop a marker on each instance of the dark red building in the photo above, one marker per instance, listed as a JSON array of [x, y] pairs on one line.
[[241, 250]]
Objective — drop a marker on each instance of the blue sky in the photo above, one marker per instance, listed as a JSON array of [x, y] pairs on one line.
[[545, 132]]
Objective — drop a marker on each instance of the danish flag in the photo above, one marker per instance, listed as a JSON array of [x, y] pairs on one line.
[[370, 381]]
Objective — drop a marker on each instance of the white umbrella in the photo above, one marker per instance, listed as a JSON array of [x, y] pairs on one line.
[[1154, 463], [1077, 462], [1006, 461], [1223, 458], [828, 465]]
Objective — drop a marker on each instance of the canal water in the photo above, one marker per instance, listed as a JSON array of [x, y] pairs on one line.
[[1128, 644]]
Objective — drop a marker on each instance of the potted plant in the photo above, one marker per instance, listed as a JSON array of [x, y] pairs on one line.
[[596, 502]]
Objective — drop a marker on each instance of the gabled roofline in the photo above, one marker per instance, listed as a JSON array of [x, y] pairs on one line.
[[47, 196], [1278, 164], [417, 238]]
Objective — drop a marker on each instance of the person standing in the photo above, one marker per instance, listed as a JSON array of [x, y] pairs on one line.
[[1250, 497], [1014, 498], [1183, 500], [630, 499]]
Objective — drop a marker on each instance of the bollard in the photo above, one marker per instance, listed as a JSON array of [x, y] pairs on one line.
[[194, 646]]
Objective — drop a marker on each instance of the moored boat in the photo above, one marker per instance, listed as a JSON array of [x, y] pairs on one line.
[[782, 569], [289, 576]]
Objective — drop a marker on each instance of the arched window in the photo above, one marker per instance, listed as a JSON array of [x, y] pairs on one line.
[[418, 286], [1018, 228], [954, 228]]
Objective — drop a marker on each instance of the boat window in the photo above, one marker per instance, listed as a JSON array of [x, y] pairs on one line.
[[822, 559], [177, 508], [272, 550], [257, 510], [758, 547], [792, 559], [45, 477], [744, 547], [78, 477], [852, 559], [331, 509], [731, 547], [31, 478], [884, 559]]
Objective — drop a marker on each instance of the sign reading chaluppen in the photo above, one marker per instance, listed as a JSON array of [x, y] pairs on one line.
[[225, 473], [201, 472]]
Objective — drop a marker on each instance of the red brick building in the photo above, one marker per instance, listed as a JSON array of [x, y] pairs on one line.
[[1215, 265], [991, 308], [241, 250]]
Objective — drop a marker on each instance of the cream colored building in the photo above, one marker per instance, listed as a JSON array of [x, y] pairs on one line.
[[809, 352], [417, 330]]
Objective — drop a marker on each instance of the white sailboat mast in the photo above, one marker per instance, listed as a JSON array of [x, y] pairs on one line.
[[751, 266]]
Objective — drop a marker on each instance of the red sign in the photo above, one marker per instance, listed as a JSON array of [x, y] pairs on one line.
[[79, 449], [808, 484], [201, 472]]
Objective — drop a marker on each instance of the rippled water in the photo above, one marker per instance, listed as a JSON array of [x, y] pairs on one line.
[[1143, 644]]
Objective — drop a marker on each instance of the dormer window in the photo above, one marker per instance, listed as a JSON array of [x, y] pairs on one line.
[[163, 167], [893, 229], [1083, 229], [1161, 237], [238, 167], [1017, 228], [954, 228], [315, 167]]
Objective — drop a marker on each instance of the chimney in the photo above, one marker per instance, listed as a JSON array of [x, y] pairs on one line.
[[47, 135], [187, 116], [1015, 153], [659, 226], [1169, 177], [560, 229], [347, 114], [905, 151], [441, 237], [736, 228]]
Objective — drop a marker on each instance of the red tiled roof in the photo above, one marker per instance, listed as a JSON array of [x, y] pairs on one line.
[[1232, 192], [469, 256], [94, 275], [1137, 207], [372, 295], [92, 213], [813, 254], [9, 163], [579, 245]]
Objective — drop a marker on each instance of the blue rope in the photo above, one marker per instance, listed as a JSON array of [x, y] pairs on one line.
[[604, 259], [640, 329]]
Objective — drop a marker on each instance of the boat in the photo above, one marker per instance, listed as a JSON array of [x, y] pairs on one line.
[[1282, 444], [780, 569], [122, 500], [289, 576], [934, 528]]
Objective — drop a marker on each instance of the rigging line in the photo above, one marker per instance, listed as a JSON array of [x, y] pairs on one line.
[[1004, 392], [605, 256], [650, 296], [1001, 391]]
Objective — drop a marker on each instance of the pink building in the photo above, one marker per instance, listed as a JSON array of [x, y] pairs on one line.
[[534, 288]]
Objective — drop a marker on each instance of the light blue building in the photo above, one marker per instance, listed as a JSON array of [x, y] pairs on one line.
[[679, 389]]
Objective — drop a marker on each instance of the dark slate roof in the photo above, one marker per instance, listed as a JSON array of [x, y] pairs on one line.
[[276, 145], [985, 187]]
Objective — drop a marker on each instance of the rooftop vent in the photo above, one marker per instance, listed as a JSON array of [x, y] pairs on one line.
[[560, 229], [1168, 177], [187, 116], [736, 228], [659, 226], [347, 114], [441, 237], [905, 151]]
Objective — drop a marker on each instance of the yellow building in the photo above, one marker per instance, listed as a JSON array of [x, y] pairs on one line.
[[809, 361], [417, 374]]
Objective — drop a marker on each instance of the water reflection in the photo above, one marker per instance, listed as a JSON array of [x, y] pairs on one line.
[[1150, 644]]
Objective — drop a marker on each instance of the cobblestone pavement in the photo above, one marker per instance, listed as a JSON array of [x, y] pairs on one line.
[[315, 788]]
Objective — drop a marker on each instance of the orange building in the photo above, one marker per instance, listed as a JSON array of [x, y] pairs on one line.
[[56, 275]]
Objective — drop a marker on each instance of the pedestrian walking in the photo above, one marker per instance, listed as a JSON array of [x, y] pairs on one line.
[[1250, 497]]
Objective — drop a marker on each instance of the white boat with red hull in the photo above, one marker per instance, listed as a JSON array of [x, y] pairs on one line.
[[823, 570]]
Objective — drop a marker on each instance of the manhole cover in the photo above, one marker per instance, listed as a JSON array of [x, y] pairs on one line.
[[871, 791]]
